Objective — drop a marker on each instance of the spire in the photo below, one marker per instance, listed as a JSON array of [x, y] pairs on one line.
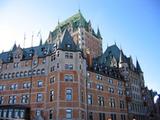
[[121, 57], [14, 46], [40, 43], [138, 66], [99, 34]]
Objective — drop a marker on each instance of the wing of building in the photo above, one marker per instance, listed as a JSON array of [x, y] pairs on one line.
[[70, 78]]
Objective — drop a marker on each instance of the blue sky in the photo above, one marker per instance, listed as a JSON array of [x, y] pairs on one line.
[[132, 24]]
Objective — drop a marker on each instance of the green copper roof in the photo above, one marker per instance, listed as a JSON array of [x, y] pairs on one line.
[[74, 21]]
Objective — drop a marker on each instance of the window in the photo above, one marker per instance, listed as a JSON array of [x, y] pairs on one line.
[[121, 104], [68, 77], [9, 75], [68, 94], [38, 112], [22, 113], [120, 92], [112, 102], [90, 116], [57, 53], [40, 83], [111, 90], [13, 86], [43, 71], [21, 74], [34, 72], [52, 68], [113, 116], [25, 99], [68, 66], [101, 101], [25, 73], [17, 74], [82, 96], [16, 65], [123, 117], [51, 114], [44, 61], [51, 95], [89, 84], [52, 79], [68, 114], [39, 97], [12, 99], [110, 81], [57, 65], [1, 99], [99, 87], [119, 84], [27, 85], [101, 116], [98, 77], [2, 87], [35, 62], [68, 55], [38, 72], [53, 57], [90, 99]]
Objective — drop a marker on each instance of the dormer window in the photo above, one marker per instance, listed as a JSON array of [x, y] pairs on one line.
[[35, 62], [68, 45], [16, 65], [44, 60]]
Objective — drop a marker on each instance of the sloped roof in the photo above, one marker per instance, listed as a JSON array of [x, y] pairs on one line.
[[67, 42], [40, 51]]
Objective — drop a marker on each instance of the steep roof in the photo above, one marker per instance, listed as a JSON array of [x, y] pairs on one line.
[[75, 22], [138, 66], [40, 51], [67, 42]]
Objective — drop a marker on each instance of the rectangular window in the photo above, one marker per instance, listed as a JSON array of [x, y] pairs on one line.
[[111, 90], [51, 114], [13, 86], [90, 116], [52, 79], [101, 116], [12, 99], [1, 99], [90, 99], [27, 85], [113, 116], [39, 97], [51, 95], [68, 77], [120, 92], [121, 104], [68, 94], [89, 84], [68, 114], [25, 99], [68, 66], [99, 87], [101, 101], [2, 87], [123, 117], [110, 81], [112, 102], [40, 83]]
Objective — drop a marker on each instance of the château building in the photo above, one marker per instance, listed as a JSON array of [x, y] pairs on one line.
[[69, 77]]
